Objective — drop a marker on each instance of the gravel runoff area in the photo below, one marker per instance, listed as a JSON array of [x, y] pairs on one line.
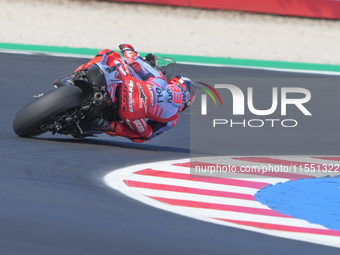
[[172, 30]]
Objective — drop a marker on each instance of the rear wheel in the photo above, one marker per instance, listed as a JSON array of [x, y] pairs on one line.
[[28, 121]]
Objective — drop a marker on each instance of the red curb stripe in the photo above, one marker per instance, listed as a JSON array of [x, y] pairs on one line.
[[222, 207], [174, 188], [328, 158], [188, 177]]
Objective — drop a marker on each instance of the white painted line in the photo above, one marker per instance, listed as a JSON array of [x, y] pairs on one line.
[[266, 68], [251, 217], [43, 53], [329, 73], [200, 198], [194, 184]]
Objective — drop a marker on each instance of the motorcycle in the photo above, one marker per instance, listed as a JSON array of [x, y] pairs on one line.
[[78, 100]]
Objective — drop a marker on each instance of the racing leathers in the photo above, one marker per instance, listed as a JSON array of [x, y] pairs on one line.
[[148, 105]]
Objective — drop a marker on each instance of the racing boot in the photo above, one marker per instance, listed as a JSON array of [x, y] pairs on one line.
[[99, 124]]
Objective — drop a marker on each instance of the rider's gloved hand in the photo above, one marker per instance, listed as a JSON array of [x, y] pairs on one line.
[[124, 47], [129, 52], [113, 128]]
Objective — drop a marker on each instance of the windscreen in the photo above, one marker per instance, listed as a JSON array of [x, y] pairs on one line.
[[168, 67]]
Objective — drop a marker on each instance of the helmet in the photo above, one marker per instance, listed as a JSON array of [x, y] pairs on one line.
[[190, 90]]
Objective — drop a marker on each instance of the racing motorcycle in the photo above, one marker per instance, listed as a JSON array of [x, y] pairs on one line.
[[79, 99]]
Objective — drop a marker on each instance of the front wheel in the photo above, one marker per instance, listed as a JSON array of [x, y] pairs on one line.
[[27, 122]]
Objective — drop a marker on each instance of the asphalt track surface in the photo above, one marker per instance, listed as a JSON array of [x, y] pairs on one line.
[[53, 200]]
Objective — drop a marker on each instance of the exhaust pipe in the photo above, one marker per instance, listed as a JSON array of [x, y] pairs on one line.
[[98, 98], [97, 104]]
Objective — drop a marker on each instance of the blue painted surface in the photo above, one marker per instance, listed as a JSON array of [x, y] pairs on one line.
[[316, 200]]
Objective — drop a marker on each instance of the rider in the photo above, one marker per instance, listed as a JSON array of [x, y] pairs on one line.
[[148, 104]]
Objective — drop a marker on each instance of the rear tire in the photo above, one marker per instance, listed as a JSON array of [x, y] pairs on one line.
[[30, 118]]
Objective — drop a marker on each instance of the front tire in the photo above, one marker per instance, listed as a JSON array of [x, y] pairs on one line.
[[30, 118]]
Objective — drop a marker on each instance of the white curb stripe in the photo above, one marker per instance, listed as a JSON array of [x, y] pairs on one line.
[[196, 199]]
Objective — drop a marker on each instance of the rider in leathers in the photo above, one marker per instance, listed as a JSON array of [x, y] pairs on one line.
[[148, 106]]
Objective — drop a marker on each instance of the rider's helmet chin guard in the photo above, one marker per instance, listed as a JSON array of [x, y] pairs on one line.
[[189, 88]]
